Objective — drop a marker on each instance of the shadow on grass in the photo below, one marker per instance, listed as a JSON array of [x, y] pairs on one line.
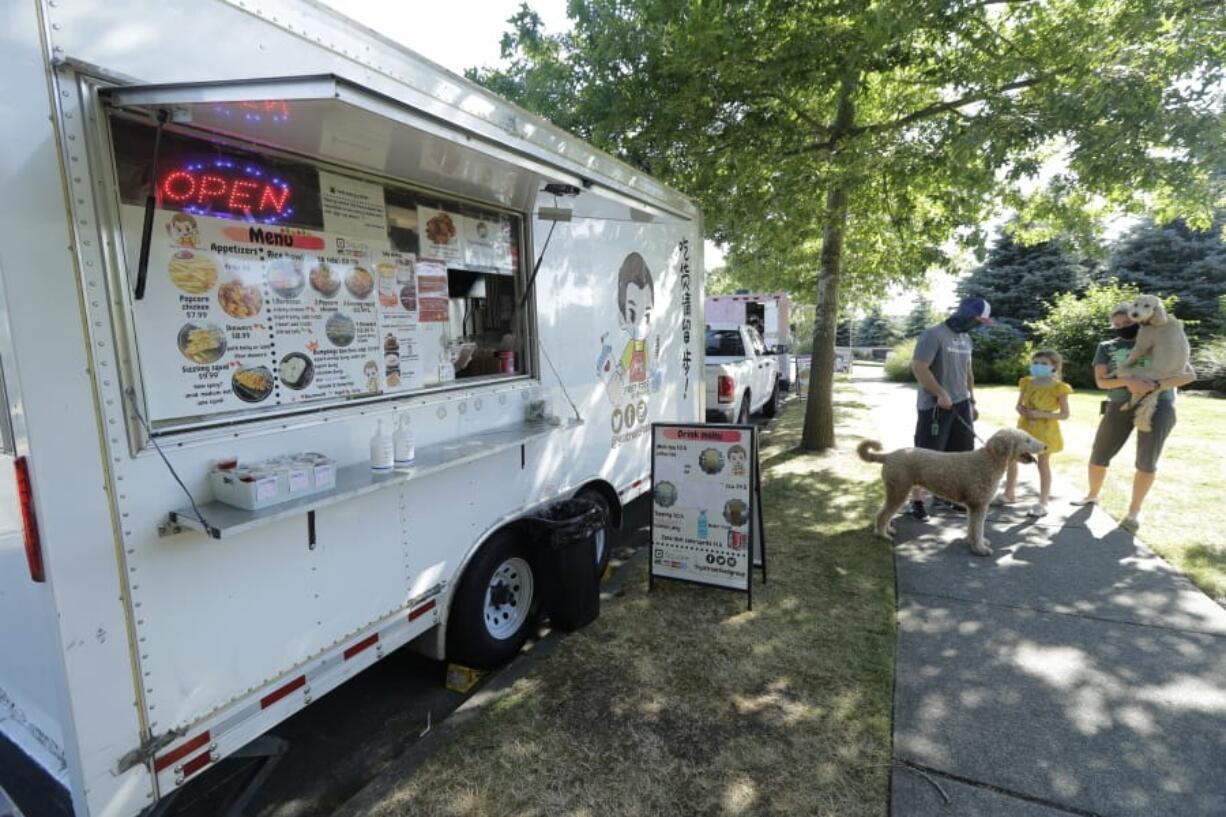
[[1206, 564], [680, 701]]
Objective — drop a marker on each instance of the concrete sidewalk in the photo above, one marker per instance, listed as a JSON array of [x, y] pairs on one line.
[[1071, 672]]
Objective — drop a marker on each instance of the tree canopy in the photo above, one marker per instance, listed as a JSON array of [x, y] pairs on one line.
[[1020, 280], [840, 144], [1174, 259]]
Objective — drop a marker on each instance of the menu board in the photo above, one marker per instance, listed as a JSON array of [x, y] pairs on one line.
[[399, 321], [703, 503], [434, 329], [237, 315], [483, 244]]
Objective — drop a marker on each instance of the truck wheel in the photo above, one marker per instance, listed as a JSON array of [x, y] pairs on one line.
[[604, 536], [742, 416], [493, 606], [772, 405]]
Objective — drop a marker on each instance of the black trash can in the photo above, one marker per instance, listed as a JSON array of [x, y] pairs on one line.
[[570, 588]]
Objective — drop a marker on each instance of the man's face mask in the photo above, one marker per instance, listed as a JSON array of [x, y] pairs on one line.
[[1128, 332], [962, 323]]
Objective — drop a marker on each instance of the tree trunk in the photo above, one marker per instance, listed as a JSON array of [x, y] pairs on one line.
[[819, 412]]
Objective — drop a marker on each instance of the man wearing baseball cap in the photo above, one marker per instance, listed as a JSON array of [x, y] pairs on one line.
[[946, 402]]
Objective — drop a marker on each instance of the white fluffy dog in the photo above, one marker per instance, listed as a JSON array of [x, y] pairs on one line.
[[1162, 339]]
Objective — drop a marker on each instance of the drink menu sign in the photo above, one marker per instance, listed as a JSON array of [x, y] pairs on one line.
[[238, 315], [704, 504]]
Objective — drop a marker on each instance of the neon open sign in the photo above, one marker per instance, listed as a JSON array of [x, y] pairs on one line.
[[227, 188]]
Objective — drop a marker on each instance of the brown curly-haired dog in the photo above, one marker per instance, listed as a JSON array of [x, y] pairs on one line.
[[969, 478]]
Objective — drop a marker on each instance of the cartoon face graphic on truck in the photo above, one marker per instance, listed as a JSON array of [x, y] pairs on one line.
[[183, 230], [626, 364]]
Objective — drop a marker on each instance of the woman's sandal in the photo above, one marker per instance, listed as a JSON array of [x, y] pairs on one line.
[[1089, 500]]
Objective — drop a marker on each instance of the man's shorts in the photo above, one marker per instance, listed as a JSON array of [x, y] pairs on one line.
[[950, 434], [1116, 427]]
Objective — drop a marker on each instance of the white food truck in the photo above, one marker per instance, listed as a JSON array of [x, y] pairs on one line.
[[769, 313], [238, 237]]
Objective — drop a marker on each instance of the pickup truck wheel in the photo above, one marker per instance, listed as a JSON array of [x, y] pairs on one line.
[[742, 416], [604, 536], [772, 405], [493, 606]]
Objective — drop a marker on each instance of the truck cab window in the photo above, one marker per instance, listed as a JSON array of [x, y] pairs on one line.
[[725, 343]]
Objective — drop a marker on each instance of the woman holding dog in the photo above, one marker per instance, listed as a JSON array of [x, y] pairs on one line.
[[1116, 424]]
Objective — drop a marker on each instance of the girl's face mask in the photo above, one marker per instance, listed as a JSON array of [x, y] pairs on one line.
[[1041, 370]]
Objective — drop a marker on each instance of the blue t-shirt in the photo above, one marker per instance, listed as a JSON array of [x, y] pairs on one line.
[[1112, 354]]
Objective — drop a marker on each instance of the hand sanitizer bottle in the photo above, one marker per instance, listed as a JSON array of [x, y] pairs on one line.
[[381, 451], [405, 449], [702, 525]]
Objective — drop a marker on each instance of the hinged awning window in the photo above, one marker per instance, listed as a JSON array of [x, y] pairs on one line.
[[339, 121]]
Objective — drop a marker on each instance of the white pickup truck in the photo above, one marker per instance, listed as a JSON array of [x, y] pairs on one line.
[[742, 377]]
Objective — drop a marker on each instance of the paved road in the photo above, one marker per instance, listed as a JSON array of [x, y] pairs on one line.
[[1072, 672]]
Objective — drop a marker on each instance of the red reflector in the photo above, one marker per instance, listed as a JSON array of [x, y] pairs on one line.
[[361, 645], [726, 388], [418, 612], [197, 763], [171, 758], [29, 522], [276, 695]]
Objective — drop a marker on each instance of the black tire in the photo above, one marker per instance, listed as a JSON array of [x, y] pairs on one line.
[[605, 548], [742, 416], [772, 405], [470, 640]]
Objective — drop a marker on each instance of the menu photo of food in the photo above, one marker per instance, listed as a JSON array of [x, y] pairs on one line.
[[203, 343], [325, 279], [252, 384], [285, 277], [440, 233], [441, 229], [192, 271], [360, 283], [340, 329], [296, 371], [239, 300]]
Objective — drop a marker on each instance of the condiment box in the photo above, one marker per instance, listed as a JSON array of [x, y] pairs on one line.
[[274, 481]]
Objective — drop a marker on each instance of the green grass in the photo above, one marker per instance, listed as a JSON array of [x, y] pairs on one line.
[[681, 702], [1184, 514]]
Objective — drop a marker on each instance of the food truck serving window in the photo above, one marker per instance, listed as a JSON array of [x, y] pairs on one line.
[[274, 283]]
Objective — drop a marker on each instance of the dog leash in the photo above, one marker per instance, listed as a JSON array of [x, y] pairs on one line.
[[959, 418]]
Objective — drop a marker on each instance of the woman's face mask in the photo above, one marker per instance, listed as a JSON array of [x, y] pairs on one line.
[[1041, 370], [1128, 332]]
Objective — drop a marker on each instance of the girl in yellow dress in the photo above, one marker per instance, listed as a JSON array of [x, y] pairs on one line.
[[1042, 404]]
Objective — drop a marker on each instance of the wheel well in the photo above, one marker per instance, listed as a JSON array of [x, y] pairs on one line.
[[610, 496]]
